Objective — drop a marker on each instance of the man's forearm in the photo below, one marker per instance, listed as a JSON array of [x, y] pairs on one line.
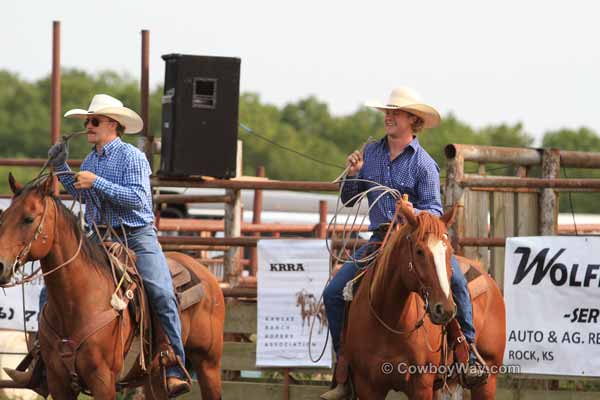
[[131, 197], [350, 190], [67, 180]]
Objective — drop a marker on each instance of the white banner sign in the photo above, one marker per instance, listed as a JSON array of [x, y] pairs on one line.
[[552, 294], [11, 305], [291, 277]]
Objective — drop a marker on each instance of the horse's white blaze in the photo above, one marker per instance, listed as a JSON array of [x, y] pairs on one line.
[[438, 249]]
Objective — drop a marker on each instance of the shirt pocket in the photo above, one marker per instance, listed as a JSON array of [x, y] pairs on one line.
[[372, 179], [406, 184]]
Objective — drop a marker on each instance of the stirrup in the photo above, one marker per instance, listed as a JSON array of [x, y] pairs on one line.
[[477, 373], [168, 359]]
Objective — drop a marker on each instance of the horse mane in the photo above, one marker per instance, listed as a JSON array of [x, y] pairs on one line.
[[89, 249], [427, 224]]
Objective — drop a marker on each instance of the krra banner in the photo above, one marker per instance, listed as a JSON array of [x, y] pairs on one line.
[[291, 277]]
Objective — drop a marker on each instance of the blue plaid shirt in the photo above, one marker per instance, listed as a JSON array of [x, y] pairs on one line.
[[121, 189], [413, 172]]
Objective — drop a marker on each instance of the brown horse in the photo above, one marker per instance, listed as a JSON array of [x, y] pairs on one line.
[[37, 226], [383, 336]]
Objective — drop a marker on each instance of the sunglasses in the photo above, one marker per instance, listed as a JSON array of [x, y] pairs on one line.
[[94, 121]]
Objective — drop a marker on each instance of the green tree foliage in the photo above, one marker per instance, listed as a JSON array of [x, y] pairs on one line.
[[23, 118], [306, 126]]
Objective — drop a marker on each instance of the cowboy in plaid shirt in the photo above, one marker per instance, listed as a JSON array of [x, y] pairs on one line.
[[114, 183], [397, 161]]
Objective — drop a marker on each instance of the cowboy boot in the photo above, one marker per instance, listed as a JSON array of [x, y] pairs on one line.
[[341, 391], [174, 385], [177, 386], [30, 372], [22, 374], [476, 373], [340, 384], [166, 357]]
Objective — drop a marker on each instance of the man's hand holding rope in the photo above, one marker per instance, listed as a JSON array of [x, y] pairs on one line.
[[354, 163], [84, 180], [404, 203]]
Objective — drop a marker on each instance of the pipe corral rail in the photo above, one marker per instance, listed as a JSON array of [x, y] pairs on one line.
[[495, 207]]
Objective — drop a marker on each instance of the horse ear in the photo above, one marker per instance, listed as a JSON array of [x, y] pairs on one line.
[[49, 185], [408, 214], [14, 185], [450, 216]]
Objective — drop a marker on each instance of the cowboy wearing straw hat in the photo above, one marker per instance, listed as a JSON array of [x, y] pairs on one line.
[[397, 161], [114, 182]]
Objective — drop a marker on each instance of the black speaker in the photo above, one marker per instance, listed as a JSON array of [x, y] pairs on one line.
[[200, 116]]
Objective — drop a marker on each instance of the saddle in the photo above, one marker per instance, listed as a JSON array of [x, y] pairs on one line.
[[476, 282], [149, 348], [151, 345]]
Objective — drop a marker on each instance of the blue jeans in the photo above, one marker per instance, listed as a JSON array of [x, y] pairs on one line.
[[335, 305], [464, 307], [153, 268], [332, 295]]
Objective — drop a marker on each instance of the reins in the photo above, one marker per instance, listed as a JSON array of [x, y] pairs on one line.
[[27, 248], [19, 261], [411, 268]]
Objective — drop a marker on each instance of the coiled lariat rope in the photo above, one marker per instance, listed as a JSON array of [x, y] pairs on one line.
[[349, 226]]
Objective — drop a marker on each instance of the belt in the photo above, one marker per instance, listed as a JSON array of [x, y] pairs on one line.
[[129, 230], [382, 229]]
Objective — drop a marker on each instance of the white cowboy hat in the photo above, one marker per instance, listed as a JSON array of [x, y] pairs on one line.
[[103, 104], [406, 99]]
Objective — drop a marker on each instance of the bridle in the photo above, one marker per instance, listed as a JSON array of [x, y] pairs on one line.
[[19, 261], [22, 256], [424, 290]]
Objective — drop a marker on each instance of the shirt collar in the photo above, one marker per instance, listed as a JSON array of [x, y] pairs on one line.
[[109, 147], [414, 144]]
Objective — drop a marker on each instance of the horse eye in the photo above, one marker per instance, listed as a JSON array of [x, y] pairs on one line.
[[420, 252], [28, 220]]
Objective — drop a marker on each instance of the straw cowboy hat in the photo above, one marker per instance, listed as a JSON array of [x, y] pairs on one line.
[[406, 99], [103, 104]]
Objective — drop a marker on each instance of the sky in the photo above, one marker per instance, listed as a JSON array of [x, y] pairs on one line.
[[487, 62]]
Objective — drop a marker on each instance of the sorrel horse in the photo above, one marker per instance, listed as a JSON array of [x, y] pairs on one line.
[[383, 336], [37, 226]]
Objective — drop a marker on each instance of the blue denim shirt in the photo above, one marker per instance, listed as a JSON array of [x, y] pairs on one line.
[[413, 172], [121, 189]]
